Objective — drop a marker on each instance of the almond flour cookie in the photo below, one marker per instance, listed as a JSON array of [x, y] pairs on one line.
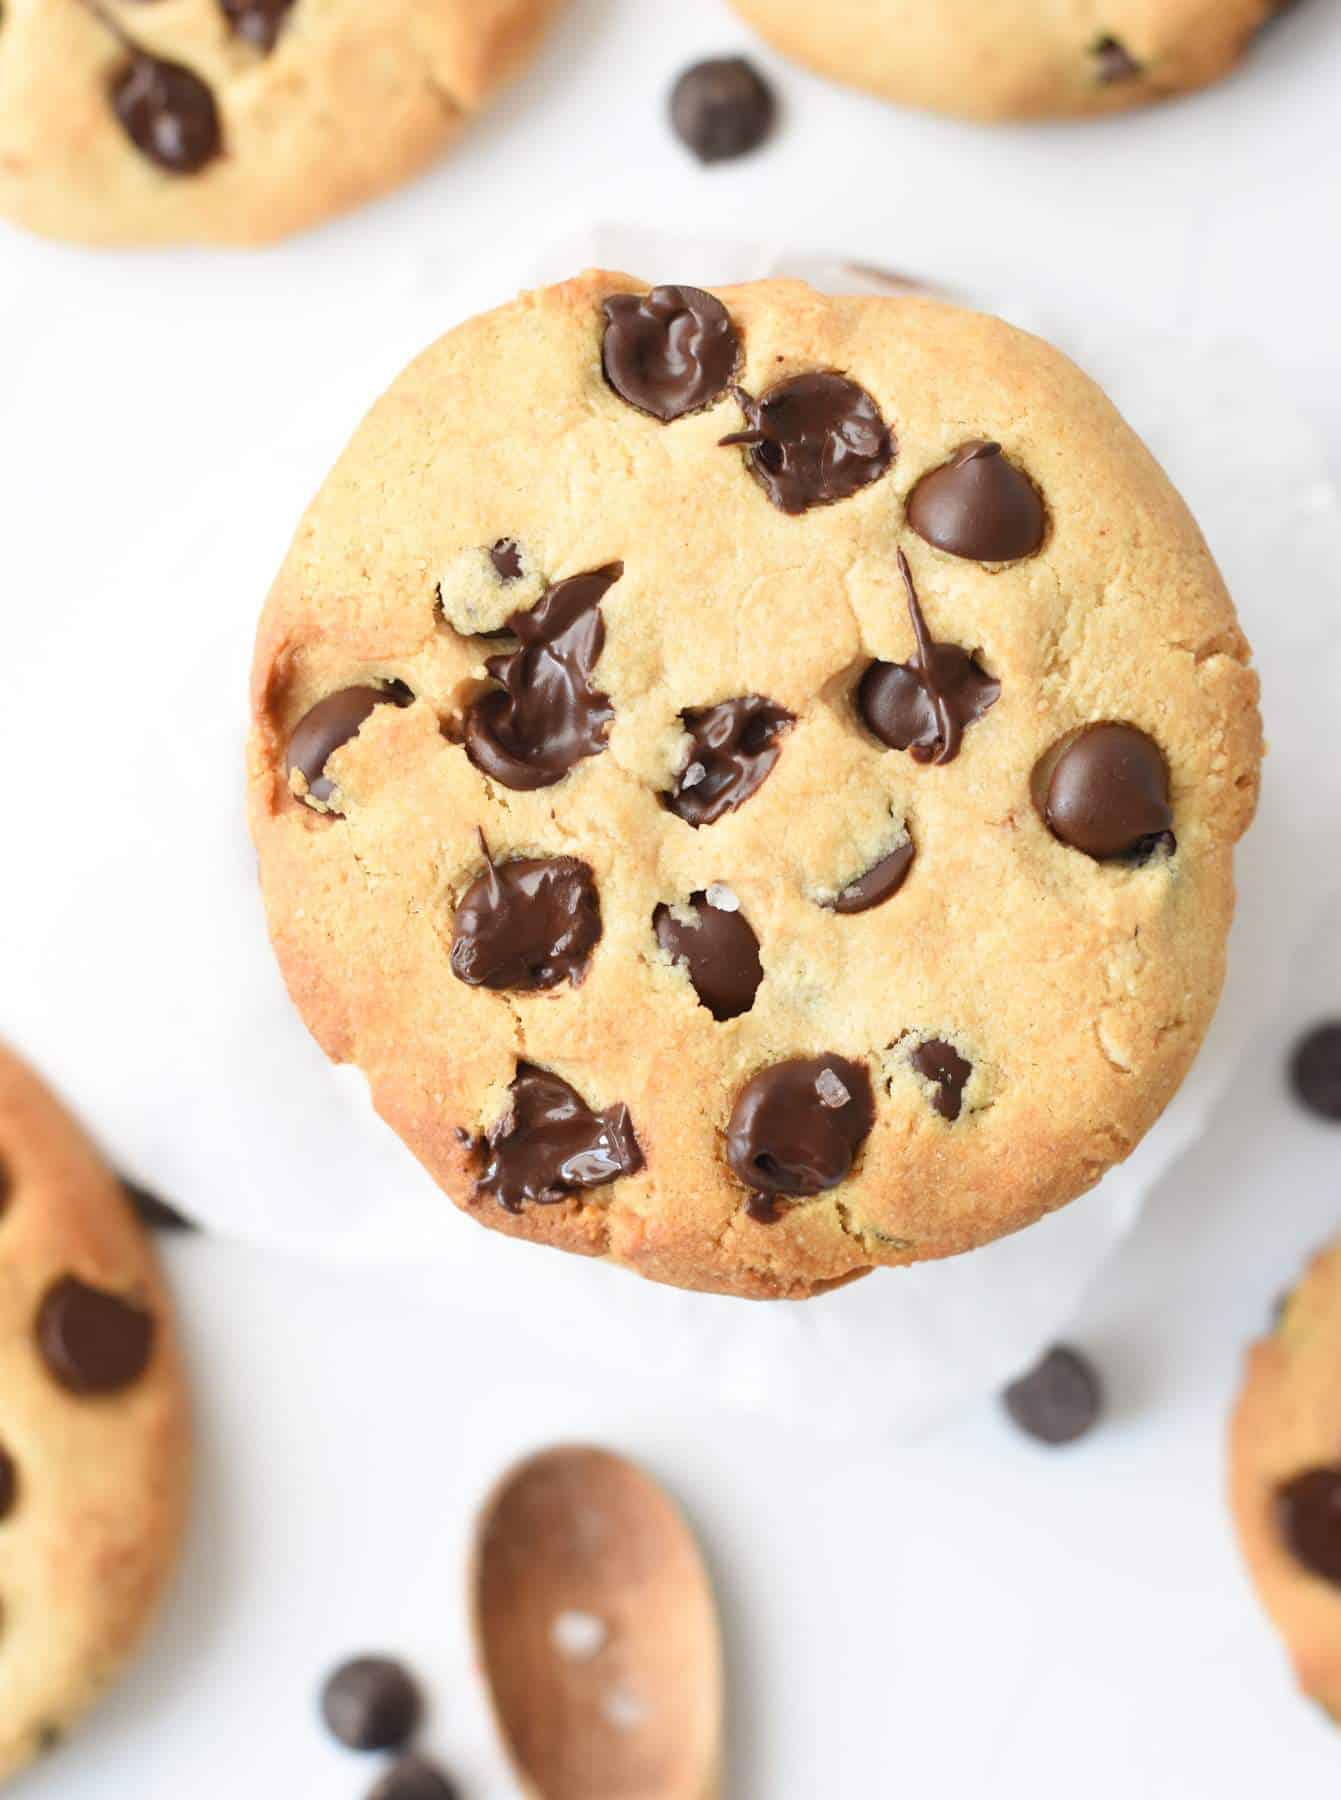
[[1016, 59], [236, 121], [752, 778]]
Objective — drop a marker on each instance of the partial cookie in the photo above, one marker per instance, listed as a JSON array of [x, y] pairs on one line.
[[749, 820], [94, 1436], [1016, 59], [236, 121]]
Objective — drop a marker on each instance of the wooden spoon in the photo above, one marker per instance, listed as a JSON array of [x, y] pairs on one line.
[[597, 1630]]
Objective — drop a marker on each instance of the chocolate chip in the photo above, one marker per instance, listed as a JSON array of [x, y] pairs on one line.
[[1315, 1070], [670, 352], [414, 1779], [812, 440], [732, 751], [152, 1211], [546, 715], [550, 1145], [527, 924], [371, 1703], [1308, 1513], [722, 108], [979, 505], [1104, 790], [925, 705], [1059, 1400], [941, 1064], [507, 559], [168, 113], [880, 882], [257, 22], [329, 725], [720, 951], [1113, 62], [9, 1484], [93, 1342], [797, 1126]]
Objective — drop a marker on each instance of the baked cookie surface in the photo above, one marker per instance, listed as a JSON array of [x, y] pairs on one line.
[[1016, 59], [236, 121], [830, 863]]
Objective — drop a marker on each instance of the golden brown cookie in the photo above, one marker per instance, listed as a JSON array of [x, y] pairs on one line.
[[236, 121], [94, 1437], [830, 863]]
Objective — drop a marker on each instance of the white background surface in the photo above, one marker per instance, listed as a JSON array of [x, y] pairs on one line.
[[925, 1619]]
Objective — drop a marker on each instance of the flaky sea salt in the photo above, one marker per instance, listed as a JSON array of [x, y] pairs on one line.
[[830, 1089], [719, 895], [623, 1709], [578, 1635], [692, 776]]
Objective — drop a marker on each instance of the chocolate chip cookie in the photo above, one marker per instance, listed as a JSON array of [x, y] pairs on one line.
[[236, 121], [93, 1423], [752, 778], [1016, 59]]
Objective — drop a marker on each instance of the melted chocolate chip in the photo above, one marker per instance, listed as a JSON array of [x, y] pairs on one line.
[[93, 1342], [414, 1779], [925, 705], [722, 108], [168, 113], [371, 1703], [9, 1484], [979, 505], [506, 558], [327, 726], [720, 951], [546, 714], [670, 352], [1315, 1071], [550, 1145], [733, 749], [1105, 791], [1308, 1512], [1058, 1400], [796, 1127], [1113, 62], [880, 882], [940, 1063], [812, 440], [152, 1211], [527, 924], [257, 22]]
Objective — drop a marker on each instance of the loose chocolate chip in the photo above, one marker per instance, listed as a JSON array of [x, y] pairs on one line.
[[327, 726], [940, 1063], [371, 1703], [722, 108], [720, 951], [732, 751], [414, 1779], [93, 1342], [670, 352], [9, 1484], [1308, 1512], [1113, 62], [1105, 791], [527, 924], [1315, 1070], [155, 1213], [797, 1126], [258, 22], [507, 560], [546, 714], [550, 1145], [979, 505], [812, 440], [168, 113], [925, 705], [880, 882], [1058, 1400]]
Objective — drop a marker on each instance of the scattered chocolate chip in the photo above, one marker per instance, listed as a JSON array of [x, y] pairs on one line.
[[1058, 1400], [550, 1145], [1315, 1070], [880, 882], [720, 951], [507, 560], [812, 440], [9, 1484], [414, 1779], [797, 1126], [732, 751], [670, 352], [527, 924], [942, 1065], [546, 714], [168, 113], [722, 108], [1104, 790], [371, 1703], [329, 725], [1113, 62], [1308, 1512], [93, 1342], [979, 505], [152, 1211], [257, 22]]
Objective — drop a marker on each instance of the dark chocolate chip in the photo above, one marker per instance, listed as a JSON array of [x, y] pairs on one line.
[[168, 113], [733, 749], [925, 705], [940, 1063], [1315, 1070], [1058, 1400], [257, 22], [797, 1126], [506, 558], [722, 108], [669, 352], [1308, 1513], [414, 1779], [371, 1703], [1104, 790], [979, 505], [546, 714], [550, 1145], [329, 725], [93, 1342], [155, 1213], [720, 952], [880, 882], [1113, 62], [527, 924], [812, 440], [9, 1484]]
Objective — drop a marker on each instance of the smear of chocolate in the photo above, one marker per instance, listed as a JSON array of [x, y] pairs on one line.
[[527, 924], [550, 1145], [670, 352], [812, 440], [733, 748]]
